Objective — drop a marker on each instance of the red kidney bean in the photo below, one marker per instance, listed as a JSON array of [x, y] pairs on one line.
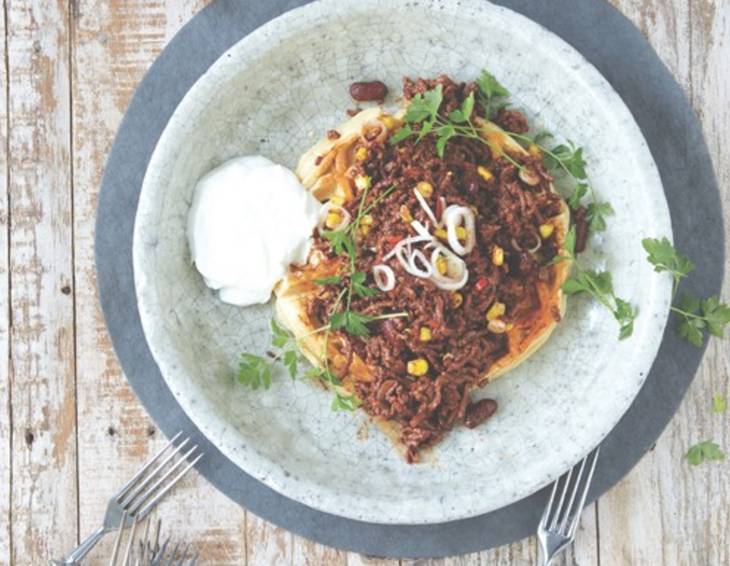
[[479, 411], [368, 91]]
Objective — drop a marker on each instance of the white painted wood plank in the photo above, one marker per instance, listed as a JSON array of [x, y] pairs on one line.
[[5, 461], [43, 493], [666, 512], [114, 45]]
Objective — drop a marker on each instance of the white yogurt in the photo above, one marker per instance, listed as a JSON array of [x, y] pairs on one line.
[[250, 219]]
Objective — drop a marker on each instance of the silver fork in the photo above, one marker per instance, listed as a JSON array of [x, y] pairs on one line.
[[559, 522], [140, 494], [149, 551]]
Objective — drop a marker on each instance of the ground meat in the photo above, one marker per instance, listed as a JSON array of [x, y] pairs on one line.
[[512, 120], [461, 349]]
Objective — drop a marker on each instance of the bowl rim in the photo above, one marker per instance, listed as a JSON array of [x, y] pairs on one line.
[[263, 468]]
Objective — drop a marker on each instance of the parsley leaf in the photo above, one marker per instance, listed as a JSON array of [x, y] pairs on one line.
[[254, 371], [280, 336], [357, 280], [599, 285], [290, 361], [664, 257], [716, 315], [577, 195], [696, 316], [345, 402], [703, 451], [719, 403], [445, 134], [489, 89], [463, 114], [424, 105], [568, 157], [341, 240], [402, 133], [596, 215], [351, 322], [325, 374]]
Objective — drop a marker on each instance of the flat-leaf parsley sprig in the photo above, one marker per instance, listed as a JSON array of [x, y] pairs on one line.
[[597, 284], [423, 111], [695, 315], [255, 371]]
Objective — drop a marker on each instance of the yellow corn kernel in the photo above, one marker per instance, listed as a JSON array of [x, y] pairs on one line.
[[534, 150], [425, 188], [333, 220], [485, 173], [456, 299], [441, 265], [361, 154], [417, 367], [441, 233], [461, 233], [366, 220], [388, 121], [495, 311], [497, 326], [546, 230], [424, 335], [338, 200], [364, 230], [497, 256], [405, 214], [362, 182]]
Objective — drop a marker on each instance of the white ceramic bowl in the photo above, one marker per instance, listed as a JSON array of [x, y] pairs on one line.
[[275, 93]]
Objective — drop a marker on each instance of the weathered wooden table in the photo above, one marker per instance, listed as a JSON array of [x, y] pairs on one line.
[[71, 430]]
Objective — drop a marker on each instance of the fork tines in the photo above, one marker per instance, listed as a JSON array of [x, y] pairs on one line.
[[150, 484], [562, 517]]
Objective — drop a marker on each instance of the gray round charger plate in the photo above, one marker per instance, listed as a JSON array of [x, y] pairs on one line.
[[611, 43]]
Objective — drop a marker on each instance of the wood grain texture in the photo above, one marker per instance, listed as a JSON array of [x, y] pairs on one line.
[[73, 66], [5, 424], [43, 411], [113, 45], [664, 511]]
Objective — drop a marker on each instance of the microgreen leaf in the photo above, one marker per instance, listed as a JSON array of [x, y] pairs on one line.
[[254, 371], [719, 403], [704, 451], [596, 215], [325, 374], [445, 134], [345, 402], [569, 158], [351, 322]]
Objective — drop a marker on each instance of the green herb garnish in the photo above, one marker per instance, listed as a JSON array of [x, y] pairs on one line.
[[695, 315], [703, 451], [719, 403]]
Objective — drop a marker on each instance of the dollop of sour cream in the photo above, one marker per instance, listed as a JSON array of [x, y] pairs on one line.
[[250, 220]]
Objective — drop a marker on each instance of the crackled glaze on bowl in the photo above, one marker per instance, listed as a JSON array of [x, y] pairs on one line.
[[275, 93]]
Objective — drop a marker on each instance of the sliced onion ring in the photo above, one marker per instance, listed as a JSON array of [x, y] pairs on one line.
[[425, 207], [426, 269], [457, 273], [406, 242], [455, 216], [327, 207], [384, 277]]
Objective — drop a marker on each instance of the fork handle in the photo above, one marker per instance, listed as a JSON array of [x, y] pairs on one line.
[[83, 549]]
